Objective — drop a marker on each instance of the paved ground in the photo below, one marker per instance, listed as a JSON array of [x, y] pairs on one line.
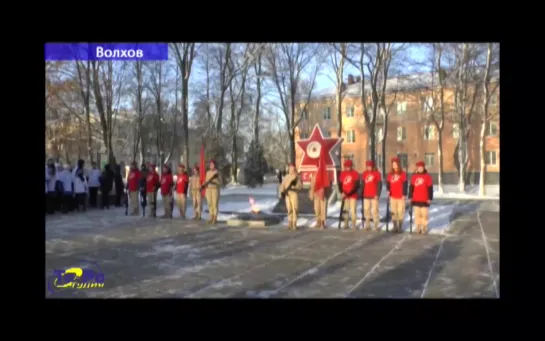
[[175, 258]]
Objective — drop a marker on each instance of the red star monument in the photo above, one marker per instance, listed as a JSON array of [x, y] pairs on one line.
[[312, 147]]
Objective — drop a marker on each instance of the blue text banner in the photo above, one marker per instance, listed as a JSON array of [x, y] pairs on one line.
[[106, 51]]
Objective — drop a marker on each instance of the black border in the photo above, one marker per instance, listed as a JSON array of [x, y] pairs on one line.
[[255, 313]]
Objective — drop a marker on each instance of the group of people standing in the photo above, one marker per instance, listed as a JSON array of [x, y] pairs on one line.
[[367, 187], [146, 182], [67, 189]]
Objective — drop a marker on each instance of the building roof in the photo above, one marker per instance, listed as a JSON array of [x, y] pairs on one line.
[[402, 83]]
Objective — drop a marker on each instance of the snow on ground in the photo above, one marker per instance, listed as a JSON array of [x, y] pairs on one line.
[[439, 217], [471, 192]]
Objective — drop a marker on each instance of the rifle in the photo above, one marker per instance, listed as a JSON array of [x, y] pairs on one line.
[[126, 200], [143, 202], [411, 218], [387, 211], [209, 181], [341, 214], [284, 192]]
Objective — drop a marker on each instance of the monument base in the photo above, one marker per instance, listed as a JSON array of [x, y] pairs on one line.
[[254, 219]]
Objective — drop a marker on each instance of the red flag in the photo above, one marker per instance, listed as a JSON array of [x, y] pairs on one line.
[[202, 169], [322, 179]]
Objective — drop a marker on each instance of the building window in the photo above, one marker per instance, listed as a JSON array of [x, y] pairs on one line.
[[492, 129], [429, 132], [327, 133], [401, 133], [429, 159], [401, 107], [304, 115], [350, 111], [491, 158], [351, 136], [403, 160], [456, 130], [427, 104], [348, 157], [494, 99], [380, 134], [327, 113], [303, 135]]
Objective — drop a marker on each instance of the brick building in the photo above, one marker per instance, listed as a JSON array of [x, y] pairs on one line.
[[411, 132]]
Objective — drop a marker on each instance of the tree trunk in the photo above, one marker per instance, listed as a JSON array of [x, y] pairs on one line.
[[482, 148], [234, 162], [292, 147], [258, 99], [440, 155]]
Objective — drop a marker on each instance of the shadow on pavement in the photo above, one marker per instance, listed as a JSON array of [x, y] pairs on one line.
[[409, 277]]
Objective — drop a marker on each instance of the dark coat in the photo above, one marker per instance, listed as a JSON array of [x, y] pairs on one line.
[[106, 179]]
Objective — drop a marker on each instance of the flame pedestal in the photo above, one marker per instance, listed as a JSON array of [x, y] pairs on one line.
[[255, 220]]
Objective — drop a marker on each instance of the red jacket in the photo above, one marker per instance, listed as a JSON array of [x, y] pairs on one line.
[[182, 183], [396, 184], [350, 183], [166, 183], [152, 180], [372, 184], [421, 189], [133, 180]]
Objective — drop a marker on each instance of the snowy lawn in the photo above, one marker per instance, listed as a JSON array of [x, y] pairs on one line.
[[492, 192]]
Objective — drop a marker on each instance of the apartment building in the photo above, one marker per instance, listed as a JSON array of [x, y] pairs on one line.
[[413, 118]]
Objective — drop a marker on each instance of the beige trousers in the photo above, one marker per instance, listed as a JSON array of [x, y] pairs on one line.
[[320, 209], [167, 199], [151, 200], [197, 202], [181, 201], [292, 206], [421, 217], [397, 209], [350, 206], [133, 202], [370, 211], [212, 199]]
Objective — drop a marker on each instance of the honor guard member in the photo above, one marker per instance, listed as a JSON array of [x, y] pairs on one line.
[[320, 202], [349, 185], [396, 185], [196, 196], [421, 195], [291, 184], [133, 186], [213, 191], [167, 182], [182, 183], [152, 184], [372, 185]]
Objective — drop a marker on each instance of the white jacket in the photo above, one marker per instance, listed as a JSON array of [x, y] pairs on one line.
[[67, 179], [94, 176], [79, 186]]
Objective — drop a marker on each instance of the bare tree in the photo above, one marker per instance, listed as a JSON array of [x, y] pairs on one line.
[[466, 90], [487, 115], [336, 62], [286, 63], [84, 82], [258, 68], [140, 137], [385, 61], [107, 88], [437, 109], [185, 54]]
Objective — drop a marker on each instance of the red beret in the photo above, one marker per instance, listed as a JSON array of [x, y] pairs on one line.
[[395, 159], [150, 164], [348, 163], [420, 164], [370, 163], [181, 166], [212, 161]]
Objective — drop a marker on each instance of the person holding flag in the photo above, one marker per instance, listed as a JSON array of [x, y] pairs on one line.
[[319, 187], [196, 193]]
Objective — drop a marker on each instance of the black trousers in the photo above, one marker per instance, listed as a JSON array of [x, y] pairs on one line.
[[104, 199], [67, 201], [50, 203], [93, 192], [118, 196], [80, 201]]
